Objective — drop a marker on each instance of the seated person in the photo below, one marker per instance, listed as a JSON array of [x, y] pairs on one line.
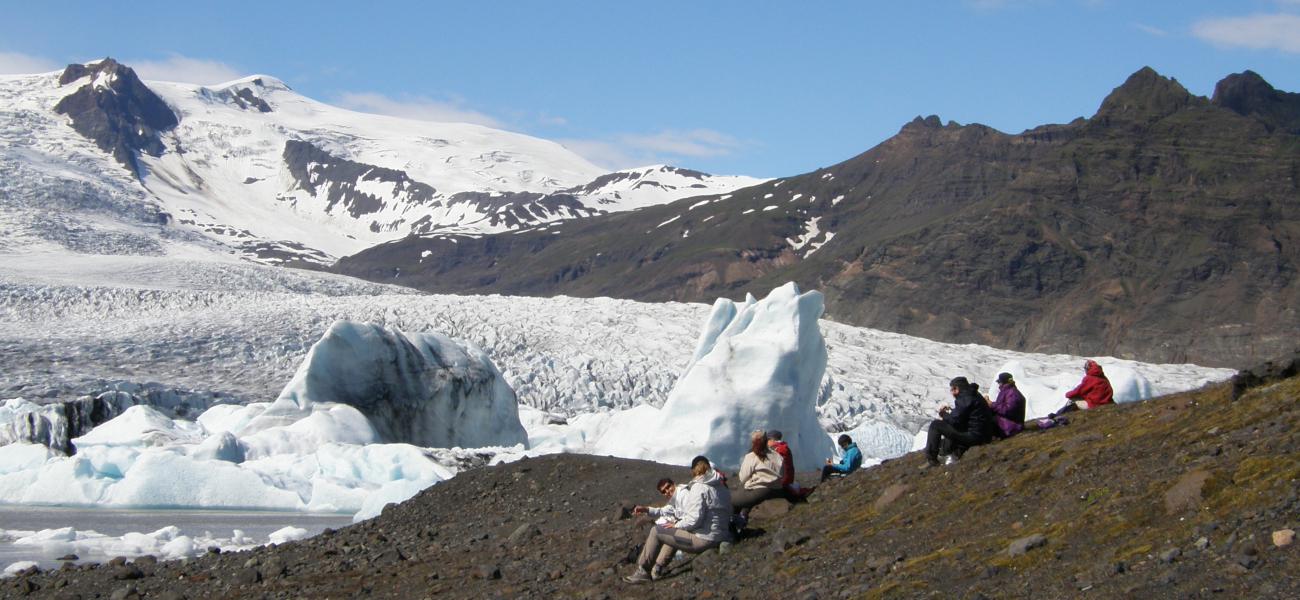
[[760, 478], [793, 492], [850, 460], [1009, 408], [703, 522], [668, 512], [1092, 392], [969, 422]]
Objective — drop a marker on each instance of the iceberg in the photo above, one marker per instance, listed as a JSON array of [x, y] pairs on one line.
[[417, 388], [757, 365]]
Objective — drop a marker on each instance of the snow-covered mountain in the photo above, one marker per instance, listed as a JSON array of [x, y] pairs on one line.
[[252, 165]]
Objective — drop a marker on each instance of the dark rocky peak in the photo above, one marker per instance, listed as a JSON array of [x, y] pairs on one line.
[[1146, 96], [685, 172], [923, 123], [1247, 94], [116, 110]]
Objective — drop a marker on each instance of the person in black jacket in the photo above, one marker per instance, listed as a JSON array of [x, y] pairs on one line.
[[968, 423]]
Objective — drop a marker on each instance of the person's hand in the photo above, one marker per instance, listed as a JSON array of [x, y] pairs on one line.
[[943, 411], [639, 510], [828, 461]]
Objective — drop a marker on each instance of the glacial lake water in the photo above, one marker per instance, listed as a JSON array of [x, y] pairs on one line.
[[118, 522]]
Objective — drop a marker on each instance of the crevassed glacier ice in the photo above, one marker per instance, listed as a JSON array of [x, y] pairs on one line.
[[756, 366]]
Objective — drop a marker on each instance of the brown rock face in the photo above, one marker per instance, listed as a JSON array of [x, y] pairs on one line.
[[1161, 229]]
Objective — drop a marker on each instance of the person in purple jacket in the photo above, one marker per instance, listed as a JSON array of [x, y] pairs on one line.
[[1009, 408]]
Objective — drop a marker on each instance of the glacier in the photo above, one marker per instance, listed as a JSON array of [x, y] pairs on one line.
[[212, 363]]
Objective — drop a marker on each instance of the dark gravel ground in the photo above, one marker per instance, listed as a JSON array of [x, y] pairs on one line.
[[1173, 498]]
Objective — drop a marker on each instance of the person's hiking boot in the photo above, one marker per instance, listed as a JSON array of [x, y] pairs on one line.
[[640, 575], [658, 572], [950, 460]]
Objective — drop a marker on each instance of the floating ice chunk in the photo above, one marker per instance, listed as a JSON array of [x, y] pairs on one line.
[[287, 534], [221, 446], [140, 426], [420, 388], [14, 568], [758, 366]]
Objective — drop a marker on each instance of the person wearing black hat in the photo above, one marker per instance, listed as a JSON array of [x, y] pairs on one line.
[[1009, 408], [969, 422]]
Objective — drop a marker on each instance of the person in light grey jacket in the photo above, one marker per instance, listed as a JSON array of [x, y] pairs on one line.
[[668, 512], [703, 522]]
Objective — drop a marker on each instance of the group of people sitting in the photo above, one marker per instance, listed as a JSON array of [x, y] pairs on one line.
[[974, 419], [704, 513]]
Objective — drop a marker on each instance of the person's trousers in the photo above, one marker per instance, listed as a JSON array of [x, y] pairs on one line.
[[663, 542], [746, 499], [829, 471], [944, 436]]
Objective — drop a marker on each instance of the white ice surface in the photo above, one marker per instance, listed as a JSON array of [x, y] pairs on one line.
[[585, 370]]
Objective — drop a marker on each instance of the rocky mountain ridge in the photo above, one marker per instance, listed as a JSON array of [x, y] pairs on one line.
[[1160, 228]]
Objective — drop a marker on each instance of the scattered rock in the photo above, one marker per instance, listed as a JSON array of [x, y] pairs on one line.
[[523, 533], [1187, 493], [68, 557], [246, 576], [127, 572], [1202, 543], [891, 493], [126, 593], [1283, 537], [488, 572], [1025, 544], [1170, 555]]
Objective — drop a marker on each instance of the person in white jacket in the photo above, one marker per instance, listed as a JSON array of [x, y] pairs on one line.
[[667, 513], [703, 522]]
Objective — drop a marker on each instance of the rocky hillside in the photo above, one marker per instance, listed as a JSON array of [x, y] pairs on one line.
[[1186, 496], [1162, 228]]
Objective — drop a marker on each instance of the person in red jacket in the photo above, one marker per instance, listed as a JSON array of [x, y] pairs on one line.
[[1092, 392], [793, 492]]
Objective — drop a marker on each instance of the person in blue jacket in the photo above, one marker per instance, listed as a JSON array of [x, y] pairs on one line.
[[850, 461]]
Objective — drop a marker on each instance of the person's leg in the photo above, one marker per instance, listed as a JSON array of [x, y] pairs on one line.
[[685, 541], [827, 471], [744, 499], [1069, 407], [939, 429], [650, 551]]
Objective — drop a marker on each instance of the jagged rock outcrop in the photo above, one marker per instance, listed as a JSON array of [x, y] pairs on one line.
[[114, 109]]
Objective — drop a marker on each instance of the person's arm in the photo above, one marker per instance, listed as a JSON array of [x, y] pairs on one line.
[[855, 458], [1080, 389], [961, 411]]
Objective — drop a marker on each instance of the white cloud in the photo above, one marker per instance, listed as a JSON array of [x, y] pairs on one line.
[[14, 63], [1156, 31], [183, 69], [1259, 32], [416, 107], [666, 147]]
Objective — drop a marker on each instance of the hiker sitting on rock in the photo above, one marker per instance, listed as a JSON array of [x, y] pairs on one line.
[[850, 460], [967, 423], [668, 512], [793, 493], [1092, 392], [760, 478], [703, 522], [1009, 408]]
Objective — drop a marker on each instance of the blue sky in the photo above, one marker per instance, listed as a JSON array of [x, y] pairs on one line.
[[756, 88]]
